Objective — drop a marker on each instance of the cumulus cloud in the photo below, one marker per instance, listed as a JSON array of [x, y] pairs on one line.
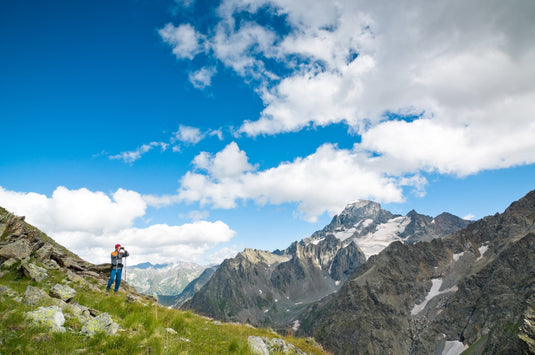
[[318, 183], [90, 223], [186, 42], [463, 70], [188, 135]]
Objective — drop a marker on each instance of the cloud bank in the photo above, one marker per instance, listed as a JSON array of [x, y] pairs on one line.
[[428, 87], [90, 223]]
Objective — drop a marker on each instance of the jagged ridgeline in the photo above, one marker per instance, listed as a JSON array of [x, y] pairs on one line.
[[276, 288], [372, 282], [473, 291], [53, 302]]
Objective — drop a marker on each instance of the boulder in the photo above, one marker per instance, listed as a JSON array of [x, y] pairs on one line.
[[63, 292], [103, 323], [257, 345], [33, 271], [6, 291], [18, 250], [83, 313], [9, 263], [49, 317], [266, 346], [45, 252], [34, 295]]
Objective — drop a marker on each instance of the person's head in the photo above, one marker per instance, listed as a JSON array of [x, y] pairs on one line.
[[117, 246]]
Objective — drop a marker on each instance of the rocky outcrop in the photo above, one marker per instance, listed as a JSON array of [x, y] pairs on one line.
[[29, 253], [471, 290], [193, 287]]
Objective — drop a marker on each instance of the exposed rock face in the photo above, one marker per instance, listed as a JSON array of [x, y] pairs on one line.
[[474, 289], [267, 289], [274, 289], [193, 287]]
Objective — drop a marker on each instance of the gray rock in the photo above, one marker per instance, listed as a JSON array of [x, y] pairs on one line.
[[265, 346], [49, 317], [257, 345], [33, 271], [6, 291], [9, 263], [171, 331], [19, 250], [103, 323], [34, 295], [82, 313], [63, 292]]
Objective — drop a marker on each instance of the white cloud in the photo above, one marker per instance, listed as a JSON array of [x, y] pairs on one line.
[[202, 78], [132, 156], [77, 210], [188, 135], [228, 163], [186, 42], [90, 223], [466, 67], [320, 182]]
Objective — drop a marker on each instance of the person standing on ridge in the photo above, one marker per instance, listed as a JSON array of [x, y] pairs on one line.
[[116, 267]]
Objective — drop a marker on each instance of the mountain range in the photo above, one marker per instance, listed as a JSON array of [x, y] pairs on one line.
[[164, 281], [274, 288], [376, 283]]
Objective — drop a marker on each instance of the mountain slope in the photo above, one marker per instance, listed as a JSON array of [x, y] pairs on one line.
[[474, 288], [163, 280], [274, 289], [51, 302]]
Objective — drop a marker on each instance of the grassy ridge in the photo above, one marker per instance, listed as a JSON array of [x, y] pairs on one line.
[[143, 326]]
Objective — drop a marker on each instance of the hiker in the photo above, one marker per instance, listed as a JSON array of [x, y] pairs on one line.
[[116, 267]]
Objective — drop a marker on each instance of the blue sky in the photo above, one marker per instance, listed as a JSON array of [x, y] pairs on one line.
[[189, 130]]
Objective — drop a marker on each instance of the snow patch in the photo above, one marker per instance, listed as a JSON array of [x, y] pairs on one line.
[[456, 257], [337, 283], [345, 234], [267, 310], [316, 242], [260, 291], [482, 250], [453, 348], [386, 233], [435, 291], [296, 326]]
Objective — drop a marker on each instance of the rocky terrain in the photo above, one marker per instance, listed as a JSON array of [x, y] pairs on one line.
[[472, 290], [275, 288], [51, 301]]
